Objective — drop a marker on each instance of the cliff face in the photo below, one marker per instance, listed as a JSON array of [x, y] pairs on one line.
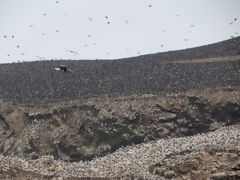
[[87, 128]]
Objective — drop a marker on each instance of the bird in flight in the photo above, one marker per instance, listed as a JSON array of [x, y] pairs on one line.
[[185, 39], [62, 68], [127, 22], [90, 19], [18, 46], [89, 35], [5, 36], [12, 36], [235, 19], [73, 52], [106, 17], [150, 5]]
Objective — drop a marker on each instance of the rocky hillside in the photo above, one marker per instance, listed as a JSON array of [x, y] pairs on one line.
[[87, 128], [177, 71], [169, 115]]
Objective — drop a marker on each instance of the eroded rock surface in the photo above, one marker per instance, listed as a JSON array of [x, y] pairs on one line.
[[87, 128]]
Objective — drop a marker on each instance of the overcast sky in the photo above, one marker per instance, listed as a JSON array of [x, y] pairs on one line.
[[109, 29]]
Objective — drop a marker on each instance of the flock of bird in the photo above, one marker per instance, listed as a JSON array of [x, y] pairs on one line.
[[107, 18]]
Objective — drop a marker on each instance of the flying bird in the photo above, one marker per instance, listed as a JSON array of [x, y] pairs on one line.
[[62, 68], [44, 14], [73, 52], [106, 17], [18, 46], [150, 5], [185, 39], [5, 36], [191, 25], [235, 19], [126, 21], [57, 30], [108, 22], [89, 35], [12, 36], [90, 19]]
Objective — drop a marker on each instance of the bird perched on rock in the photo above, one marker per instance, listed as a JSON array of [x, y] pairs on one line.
[[62, 68]]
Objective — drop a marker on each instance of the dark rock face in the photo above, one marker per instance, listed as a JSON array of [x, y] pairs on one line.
[[156, 73], [87, 128]]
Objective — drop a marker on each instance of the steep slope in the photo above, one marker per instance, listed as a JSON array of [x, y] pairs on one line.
[[176, 71]]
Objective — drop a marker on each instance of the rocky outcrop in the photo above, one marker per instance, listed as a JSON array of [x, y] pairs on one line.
[[215, 164], [87, 128]]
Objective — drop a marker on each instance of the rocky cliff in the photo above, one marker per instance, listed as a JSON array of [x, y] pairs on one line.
[[171, 115], [87, 128]]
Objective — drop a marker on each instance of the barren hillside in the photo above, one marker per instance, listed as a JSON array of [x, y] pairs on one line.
[[171, 115]]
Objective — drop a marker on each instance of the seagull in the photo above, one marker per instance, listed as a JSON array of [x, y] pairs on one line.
[[231, 23], [89, 35], [150, 6], [73, 52], [17, 46], [44, 14], [5, 36], [126, 21], [235, 19], [57, 30], [90, 19], [57, 2], [108, 22], [12, 36], [191, 25], [185, 39], [106, 17], [161, 45]]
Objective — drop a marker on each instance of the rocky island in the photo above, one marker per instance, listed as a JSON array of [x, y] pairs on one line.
[[172, 115]]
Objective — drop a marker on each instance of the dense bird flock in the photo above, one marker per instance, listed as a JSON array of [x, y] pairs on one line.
[[155, 73]]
